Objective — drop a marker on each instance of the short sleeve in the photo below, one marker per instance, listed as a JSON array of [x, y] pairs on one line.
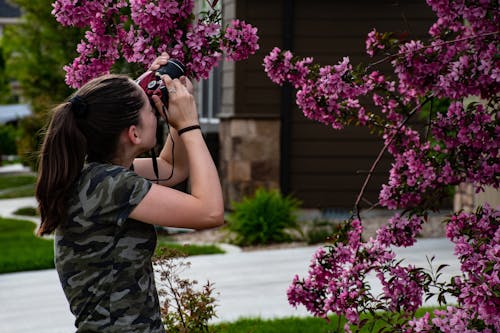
[[135, 189], [111, 193]]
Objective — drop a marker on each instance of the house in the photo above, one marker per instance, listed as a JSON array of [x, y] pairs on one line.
[[265, 140], [12, 113], [9, 14]]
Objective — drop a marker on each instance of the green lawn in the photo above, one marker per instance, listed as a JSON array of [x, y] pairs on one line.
[[16, 186], [27, 211], [282, 325], [293, 325], [189, 249], [21, 249]]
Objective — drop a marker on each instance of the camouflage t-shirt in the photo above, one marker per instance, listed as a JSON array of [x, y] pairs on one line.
[[103, 258]]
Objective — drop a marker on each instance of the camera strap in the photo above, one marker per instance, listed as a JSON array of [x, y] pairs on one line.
[[159, 136]]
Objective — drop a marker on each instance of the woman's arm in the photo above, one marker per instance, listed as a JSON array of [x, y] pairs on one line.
[[204, 207], [173, 153]]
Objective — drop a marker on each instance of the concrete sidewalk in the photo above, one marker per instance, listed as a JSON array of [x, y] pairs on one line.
[[248, 284], [9, 206]]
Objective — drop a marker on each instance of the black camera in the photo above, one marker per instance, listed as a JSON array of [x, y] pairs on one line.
[[152, 83]]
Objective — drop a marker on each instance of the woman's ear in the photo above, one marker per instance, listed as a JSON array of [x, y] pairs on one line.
[[133, 135]]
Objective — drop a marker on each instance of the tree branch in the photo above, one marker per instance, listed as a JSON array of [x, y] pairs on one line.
[[379, 157]]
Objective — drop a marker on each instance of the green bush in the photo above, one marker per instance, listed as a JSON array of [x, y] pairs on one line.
[[263, 218], [319, 231], [8, 136], [31, 137]]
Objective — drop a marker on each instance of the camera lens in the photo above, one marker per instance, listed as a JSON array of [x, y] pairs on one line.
[[173, 68]]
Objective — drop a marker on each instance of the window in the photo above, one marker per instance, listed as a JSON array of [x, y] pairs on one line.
[[209, 100], [209, 91]]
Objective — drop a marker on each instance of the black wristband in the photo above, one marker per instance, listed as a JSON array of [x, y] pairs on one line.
[[189, 128]]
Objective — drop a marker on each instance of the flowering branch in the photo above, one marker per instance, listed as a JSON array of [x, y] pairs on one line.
[[138, 31], [460, 144], [379, 157], [397, 55]]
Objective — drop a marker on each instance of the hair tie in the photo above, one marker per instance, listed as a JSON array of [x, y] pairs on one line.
[[78, 106]]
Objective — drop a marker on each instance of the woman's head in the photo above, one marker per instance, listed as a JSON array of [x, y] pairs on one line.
[[89, 126], [111, 104]]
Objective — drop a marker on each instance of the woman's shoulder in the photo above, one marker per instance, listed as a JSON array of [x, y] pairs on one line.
[[95, 169], [106, 177]]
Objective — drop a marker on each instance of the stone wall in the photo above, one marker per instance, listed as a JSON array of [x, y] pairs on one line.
[[433, 227], [464, 198], [249, 156], [468, 200]]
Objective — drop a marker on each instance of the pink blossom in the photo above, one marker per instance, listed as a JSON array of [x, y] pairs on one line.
[[240, 40], [373, 42], [151, 28], [459, 144]]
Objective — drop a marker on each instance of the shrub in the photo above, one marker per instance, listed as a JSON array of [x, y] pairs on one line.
[[8, 137], [184, 307], [319, 231], [30, 140], [263, 218]]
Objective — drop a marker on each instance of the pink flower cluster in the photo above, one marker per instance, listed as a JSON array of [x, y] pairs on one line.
[[327, 94], [459, 144], [336, 282], [400, 231], [467, 66], [465, 149], [477, 245], [403, 288], [240, 39], [199, 46], [373, 43], [139, 30]]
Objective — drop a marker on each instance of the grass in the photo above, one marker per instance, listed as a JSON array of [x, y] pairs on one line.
[[288, 325], [16, 186], [27, 211], [189, 249], [294, 325], [9, 181], [21, 249]]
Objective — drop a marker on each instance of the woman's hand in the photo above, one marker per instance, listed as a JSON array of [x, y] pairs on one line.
[[160, 61], [187, 83], [181, 109]]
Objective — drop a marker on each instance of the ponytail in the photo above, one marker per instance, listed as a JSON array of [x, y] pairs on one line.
[[61, 160]]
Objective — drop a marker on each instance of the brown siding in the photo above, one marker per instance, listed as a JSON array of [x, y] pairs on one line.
[[256, 96], [327, 167]]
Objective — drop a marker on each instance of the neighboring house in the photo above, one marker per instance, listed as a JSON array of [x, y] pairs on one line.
[[264, 139], [12, 113], [9, 14]]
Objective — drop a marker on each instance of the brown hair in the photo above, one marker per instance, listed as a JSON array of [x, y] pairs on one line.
[[86, 128]]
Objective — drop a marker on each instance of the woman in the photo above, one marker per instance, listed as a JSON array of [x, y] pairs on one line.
[[103, 213]]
